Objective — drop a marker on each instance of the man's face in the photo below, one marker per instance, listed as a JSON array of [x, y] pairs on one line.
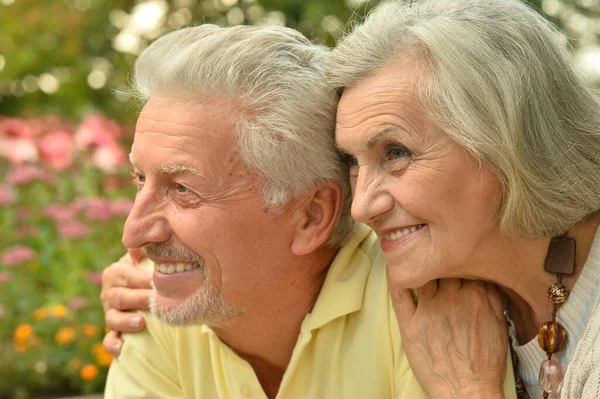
[[199, 215]]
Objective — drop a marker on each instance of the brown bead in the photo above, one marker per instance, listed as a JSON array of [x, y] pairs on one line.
[[558, 293], [552, 337], [561, 256]]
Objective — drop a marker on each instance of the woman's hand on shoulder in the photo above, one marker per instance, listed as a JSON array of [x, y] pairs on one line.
[[124, 287]]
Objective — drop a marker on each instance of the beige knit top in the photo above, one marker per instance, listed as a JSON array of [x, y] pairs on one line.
[[580, 361]]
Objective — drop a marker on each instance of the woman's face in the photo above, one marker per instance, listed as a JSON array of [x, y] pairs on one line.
[[431, 203]]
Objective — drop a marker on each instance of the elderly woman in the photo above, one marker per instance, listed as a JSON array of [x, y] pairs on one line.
[[474, 153]]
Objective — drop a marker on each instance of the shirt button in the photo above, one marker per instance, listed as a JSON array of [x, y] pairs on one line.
[[246, 391]]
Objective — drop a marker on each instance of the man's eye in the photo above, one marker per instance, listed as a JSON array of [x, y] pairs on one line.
[[394, 152], [138, 179], [181, 188]]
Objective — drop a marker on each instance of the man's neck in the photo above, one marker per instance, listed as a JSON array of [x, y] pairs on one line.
[[266, 335]]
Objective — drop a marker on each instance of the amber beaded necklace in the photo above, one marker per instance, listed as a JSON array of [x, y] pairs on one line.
[[552, 336]]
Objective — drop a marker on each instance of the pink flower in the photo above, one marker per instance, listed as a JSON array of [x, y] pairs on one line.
[[94, 277], [98, 209], [58, 212], [97, 131], [57, 149], [25, 174], [20, 150], [5, 277], [109, 158], [81, 203], [121, 207], [15, 127], [7, 195], [78, 302], [17, 254], [73, 229]]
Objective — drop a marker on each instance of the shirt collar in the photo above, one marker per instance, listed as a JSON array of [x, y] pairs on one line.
[[344, 286]]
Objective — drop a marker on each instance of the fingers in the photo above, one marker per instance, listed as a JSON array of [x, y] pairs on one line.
[[449, 285], [428, 291], [112, 342], [138, 278], [495, 298], [136, 255], [123, 275], [404, 306], [126, 299], [124, 321]]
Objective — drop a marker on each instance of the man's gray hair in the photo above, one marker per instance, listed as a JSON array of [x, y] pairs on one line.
[[498, 79], [284, 115]]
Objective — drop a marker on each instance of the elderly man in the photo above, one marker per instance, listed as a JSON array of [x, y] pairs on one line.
[[243, 208]]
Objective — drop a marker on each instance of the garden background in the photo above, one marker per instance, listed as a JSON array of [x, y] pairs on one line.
[[65, 129]]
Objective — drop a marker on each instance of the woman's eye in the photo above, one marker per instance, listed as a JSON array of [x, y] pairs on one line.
[[394, 152], [349, 160]]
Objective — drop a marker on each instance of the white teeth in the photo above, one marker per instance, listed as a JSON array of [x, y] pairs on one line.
[[170, 268], [394, 235]]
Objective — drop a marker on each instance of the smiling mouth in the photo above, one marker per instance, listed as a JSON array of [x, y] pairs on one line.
[[394, 235], [170, 268]]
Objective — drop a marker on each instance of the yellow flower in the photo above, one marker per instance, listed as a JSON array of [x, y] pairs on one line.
[[75, 364], [65, 335], [20, 346], [103, 358], [90, 330], [59, 311], [40, 313], [24, 338], [88, 372], [23, 332]]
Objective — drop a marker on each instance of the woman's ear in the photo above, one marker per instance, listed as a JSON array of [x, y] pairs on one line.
[[317, 215]]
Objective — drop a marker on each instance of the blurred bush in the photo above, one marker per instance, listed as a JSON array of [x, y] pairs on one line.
[[70, 57], [64, 197]]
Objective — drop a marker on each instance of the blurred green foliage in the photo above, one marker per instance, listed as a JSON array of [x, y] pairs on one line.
[[71, 57]]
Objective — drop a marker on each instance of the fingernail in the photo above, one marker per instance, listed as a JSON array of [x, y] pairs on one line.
[[117, 348], [135, 322]]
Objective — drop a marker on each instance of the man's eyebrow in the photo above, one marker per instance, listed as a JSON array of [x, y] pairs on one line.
[[172, 169], [387, 130], [132, 161]]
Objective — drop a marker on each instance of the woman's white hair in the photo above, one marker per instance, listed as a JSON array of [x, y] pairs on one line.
[[284, 114], [497, 78]]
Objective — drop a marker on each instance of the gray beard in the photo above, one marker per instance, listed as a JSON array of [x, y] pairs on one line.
[[205, 306]]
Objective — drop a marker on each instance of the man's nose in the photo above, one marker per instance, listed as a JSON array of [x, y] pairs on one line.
[[146, 222], [370, 198]]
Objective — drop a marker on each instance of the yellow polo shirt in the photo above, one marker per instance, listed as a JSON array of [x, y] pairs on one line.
[[348, 347]]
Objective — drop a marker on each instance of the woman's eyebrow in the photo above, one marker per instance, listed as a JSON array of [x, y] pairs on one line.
[[386, 131]]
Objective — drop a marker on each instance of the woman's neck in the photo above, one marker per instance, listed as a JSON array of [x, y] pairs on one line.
[[518, 269]]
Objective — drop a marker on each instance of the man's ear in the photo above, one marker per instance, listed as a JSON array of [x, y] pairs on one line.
[[317, 214]]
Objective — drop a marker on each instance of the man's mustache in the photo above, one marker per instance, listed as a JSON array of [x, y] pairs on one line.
[[170, 251]]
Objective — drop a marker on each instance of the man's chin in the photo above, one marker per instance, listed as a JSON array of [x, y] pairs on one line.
[[197, 309]]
